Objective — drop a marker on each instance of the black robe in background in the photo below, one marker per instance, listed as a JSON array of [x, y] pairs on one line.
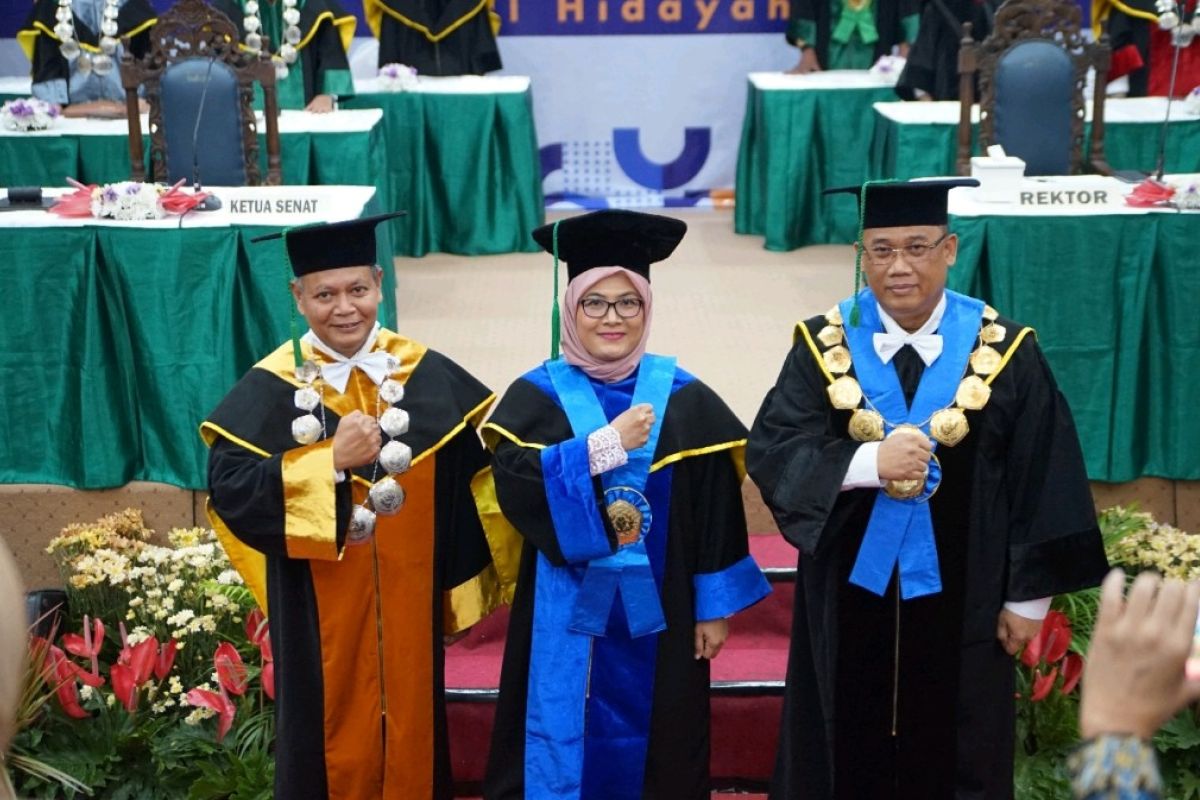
[[437, 37], [889, 15], [932, 64], [914, 699]]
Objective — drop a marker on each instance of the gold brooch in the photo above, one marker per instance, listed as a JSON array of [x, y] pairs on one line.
[[626, 521], [845, 393], [985, 360], [830, 335], [834, 316], [866, 425], [972, 393], [992, 333], [837, 359]]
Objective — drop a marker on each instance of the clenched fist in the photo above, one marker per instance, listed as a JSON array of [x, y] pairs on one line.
[[904, 456], [634, 425], [356, 442]]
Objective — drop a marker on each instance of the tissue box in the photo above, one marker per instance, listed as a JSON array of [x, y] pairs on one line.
[[999, 178]]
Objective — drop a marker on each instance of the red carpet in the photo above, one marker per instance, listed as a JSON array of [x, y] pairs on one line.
[[747, 683]]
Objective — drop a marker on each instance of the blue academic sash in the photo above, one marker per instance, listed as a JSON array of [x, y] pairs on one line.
[[900, 532], [570, 657]]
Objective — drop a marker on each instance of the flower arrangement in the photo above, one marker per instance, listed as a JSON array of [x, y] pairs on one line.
[[128, 200], [29, 114], [398, 77], [1172, 17], [1187, 195], [148, 689]]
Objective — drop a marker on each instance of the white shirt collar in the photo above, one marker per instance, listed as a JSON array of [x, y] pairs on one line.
[[935, 319]]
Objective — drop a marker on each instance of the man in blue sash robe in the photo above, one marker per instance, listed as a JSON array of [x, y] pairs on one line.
[[916, 450], [622, 473]]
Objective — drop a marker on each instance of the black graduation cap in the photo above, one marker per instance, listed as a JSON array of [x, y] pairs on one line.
[[312, 248], [612, 238], [899, 204]]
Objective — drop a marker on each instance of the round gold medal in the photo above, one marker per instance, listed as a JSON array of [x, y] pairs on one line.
[[985, 360], [992, 333], [834, 316], [837, 359], [972, 393], [626, 521], [866, 425], [904, 490], [949, 426], [830, 335], [845, 393]]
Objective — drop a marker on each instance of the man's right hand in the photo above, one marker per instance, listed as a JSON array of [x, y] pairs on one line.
[[904, 457], [356, 442], [634, 426]]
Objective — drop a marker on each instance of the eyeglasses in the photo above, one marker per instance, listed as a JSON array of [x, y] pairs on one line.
[[916, 252], [597, 307]]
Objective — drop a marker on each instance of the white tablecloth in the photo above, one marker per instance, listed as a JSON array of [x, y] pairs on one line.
[[963, 202], [1117, 111], [342, 121], [458, 84], [334, 204], [831, 79]]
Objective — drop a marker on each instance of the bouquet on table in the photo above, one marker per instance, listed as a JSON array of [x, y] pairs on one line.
[[30, 114], [126, 200], [397, 77]]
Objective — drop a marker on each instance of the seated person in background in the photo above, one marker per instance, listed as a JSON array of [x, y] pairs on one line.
[[75, 60], [436, 37], [1143, 52], [931, 72], [849, 34], [1134, 681], [310, 66]]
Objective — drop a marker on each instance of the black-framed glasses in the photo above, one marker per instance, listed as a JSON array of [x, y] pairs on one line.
[[915, 252], [597, 307]]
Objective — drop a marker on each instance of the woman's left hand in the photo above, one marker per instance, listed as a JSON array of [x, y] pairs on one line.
[[710, 637]]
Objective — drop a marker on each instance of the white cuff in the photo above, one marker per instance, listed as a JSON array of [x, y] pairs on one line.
[[338, 476], [605, 451], [863, 472], [1030, 609]]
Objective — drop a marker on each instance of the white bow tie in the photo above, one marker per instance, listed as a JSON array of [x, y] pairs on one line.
[[376, 366], [927, 345]]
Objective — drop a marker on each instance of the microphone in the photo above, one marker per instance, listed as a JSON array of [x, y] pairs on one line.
[[212, 202]]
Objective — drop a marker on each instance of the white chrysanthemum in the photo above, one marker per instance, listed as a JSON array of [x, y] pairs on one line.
[[86, 692], [174, 685], [198, 715], [230, 577], [137, 636], [174, 586], [182, 618]]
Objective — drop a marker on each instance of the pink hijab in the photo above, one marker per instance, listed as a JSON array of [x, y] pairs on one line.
[[573, 350]]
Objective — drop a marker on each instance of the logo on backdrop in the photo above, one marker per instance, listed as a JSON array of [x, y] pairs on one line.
[[617, 172], [624, 17]]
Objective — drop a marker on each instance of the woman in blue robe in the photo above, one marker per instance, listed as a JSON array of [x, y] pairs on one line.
[[622, 473]]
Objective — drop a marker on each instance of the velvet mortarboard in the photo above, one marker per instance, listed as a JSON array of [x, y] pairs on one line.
[[612, 238], [312, 248], [900, 204]]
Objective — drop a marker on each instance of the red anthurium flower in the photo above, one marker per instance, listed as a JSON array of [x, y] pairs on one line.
[[88, 645], [1072, 670], [256, 626], [141, 658], [125, 685], [64, 683], [1031, 656], [268, 679], [218, 702], [1057, 643], [1042, 684], [231, 670], [165, 660]]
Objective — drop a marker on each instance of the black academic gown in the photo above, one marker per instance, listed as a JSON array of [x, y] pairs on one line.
[[356, 629], [889, 15], [437, 37], [325, 30], [914, 699], [41, 45], [696, 492], [932, 64]]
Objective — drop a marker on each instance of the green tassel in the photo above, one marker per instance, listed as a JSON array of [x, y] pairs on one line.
[[855, 316], [555, 313], [297, 354]]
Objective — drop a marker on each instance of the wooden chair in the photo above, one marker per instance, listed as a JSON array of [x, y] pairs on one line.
[[200, 88], [1032, 70]]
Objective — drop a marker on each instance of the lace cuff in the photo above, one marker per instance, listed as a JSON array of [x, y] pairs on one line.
[[604, 450], [1114, 766]]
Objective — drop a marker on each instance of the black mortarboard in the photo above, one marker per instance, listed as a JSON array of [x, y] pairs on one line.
[[312, 248], [612, 238], [899, 204]]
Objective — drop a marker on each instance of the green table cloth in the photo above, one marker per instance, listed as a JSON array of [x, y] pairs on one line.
[[803, 134], [462, 158], [121, 337], [917, 140], [314, 149], [1113, 299]]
